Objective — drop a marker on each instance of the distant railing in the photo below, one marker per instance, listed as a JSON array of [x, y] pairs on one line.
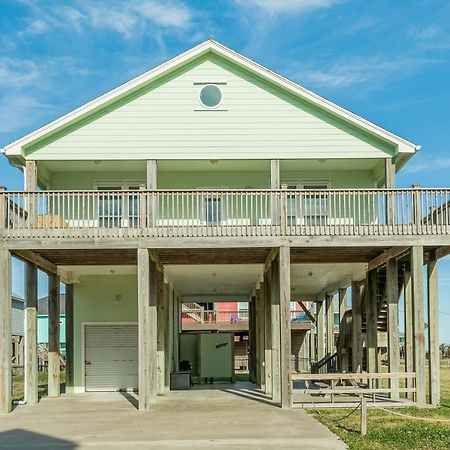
[[213, 316], [210, 213], [236, 316]]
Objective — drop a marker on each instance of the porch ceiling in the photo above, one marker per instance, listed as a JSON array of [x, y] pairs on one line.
[[210, 165], [310, 280], [214, 278]]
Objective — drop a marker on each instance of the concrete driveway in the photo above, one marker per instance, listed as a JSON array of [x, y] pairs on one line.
[[196, 419]]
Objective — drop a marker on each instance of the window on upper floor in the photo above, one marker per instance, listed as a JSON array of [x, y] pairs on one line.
[[210, 96]]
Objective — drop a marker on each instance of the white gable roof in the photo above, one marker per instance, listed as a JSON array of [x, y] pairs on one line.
[[402, 145]]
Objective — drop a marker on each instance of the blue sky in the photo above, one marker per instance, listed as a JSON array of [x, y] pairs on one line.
[[387, 61]]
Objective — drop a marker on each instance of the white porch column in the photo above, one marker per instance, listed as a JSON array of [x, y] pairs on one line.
[[5, 331], [31, 353]]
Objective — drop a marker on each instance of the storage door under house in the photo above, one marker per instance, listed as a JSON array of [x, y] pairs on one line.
[[111, 357]]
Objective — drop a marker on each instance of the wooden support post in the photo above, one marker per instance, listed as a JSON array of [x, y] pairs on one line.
[[392, 316], [54, 356], [419, 323], [409, 331], [275, 174], [30, 185], [252, 339], [343, 354], [267, 335], [161, 335], [263, 334], [285, 313], [176, 332], [320, 322], [274, 273], [69, 338], [433, 331], [167, 355], [357, 340], [329, 304], [31, 353], [259, 337], [5, 332], [152, 182], [147, 323], [363, 417], [171, 346], [371, 322], [390, 184]]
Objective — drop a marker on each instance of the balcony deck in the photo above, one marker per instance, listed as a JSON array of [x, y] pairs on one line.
[[119, 215], [199, 319]]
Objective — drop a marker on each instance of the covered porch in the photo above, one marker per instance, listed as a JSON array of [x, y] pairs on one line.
[[271, 278]]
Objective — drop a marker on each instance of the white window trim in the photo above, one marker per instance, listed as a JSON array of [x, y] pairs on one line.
[[301, 183], [124, 184]]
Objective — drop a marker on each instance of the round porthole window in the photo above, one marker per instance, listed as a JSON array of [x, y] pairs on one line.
[[210, 96]]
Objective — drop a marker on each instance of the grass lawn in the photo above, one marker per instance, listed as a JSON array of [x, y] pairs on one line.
[[388, 431], [42, 380]]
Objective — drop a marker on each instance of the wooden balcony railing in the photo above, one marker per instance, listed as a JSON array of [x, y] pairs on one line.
[[206, 213]]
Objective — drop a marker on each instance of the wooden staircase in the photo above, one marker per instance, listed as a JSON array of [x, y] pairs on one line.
[[194, 311]]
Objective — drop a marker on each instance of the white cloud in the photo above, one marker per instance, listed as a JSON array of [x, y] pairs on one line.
[[35, 27], [167, 14], [16, 72], [286, 6], [20, 111], [128, 18], [374, 70], [431, 164]]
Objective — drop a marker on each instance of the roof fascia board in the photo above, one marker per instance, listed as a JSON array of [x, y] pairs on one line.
[[403, 146]]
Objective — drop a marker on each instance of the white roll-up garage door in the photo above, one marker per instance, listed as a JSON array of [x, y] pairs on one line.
[[111, 357]]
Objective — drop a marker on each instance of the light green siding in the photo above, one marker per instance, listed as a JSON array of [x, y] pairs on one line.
[[255, 120], [43, 329], [213, 179], [101, 298]]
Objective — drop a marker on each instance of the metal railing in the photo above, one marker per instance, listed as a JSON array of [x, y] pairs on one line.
[[207, 213]]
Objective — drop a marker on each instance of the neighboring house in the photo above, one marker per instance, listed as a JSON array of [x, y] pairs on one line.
[[17, 328], [43, 322], [211, 175], [18, 316]]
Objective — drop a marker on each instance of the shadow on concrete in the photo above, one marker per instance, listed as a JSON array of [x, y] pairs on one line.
[[18, 438], [251, 395], [131, 397]]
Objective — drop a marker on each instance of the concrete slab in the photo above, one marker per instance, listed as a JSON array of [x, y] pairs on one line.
[[219, 418]]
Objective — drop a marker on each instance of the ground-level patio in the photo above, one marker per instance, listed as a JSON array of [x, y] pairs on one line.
[[206, 418]]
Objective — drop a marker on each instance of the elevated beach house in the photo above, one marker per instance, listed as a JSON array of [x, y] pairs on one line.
[[211, 178]]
